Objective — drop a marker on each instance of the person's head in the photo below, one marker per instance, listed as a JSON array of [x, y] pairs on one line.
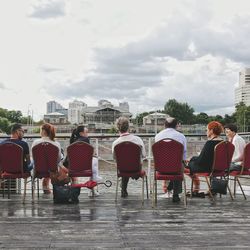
[[81, 130], [122, 124], [17, 131], [230, 130], [214, 129], [171, 122], [48, 130]]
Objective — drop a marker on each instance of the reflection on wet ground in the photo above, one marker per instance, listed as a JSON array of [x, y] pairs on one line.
[[100, 223]]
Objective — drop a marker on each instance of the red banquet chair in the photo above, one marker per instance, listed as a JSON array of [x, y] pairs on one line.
[[128, 162], [223, 153], [168, 158], [45, 156], [80, 156], [11, 165], [244, 172]]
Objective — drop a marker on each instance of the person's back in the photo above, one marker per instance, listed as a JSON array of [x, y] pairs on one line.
[[16, 137], [170, 132], [123, 127]]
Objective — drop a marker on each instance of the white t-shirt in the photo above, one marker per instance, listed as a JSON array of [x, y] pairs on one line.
[[47, 139], [239, 144], [131, 138], [172, 133]]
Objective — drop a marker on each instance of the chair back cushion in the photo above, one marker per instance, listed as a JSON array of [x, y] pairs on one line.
[[223, 153], [11, 158], [246, 157], [80, 156], [128, 157], [45, 156], [168, 155]]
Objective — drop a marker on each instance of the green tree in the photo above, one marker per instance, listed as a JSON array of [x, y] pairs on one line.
[[3, 112], [4, 125], [181, 111], [139, 118], [242, 115], [202, 118], [14, 116]]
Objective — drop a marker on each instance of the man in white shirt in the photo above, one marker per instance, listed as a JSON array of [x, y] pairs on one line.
[[123, 127], [239, 145], [171, 133]]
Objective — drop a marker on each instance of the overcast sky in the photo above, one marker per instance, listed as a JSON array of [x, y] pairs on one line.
[[144, 52]]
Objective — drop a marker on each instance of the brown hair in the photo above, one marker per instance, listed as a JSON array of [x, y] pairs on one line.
[[122, 124], [50, 130], [216, 127]]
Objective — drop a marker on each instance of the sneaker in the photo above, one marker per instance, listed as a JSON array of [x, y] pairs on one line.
[[176, 198], [93, 194], [97, 178]]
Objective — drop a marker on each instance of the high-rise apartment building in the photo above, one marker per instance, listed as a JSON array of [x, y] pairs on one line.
[[75, 111], [242, 92], [53, 106]]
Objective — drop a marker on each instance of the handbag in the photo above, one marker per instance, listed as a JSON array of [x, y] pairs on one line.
[[219, 185], [65, 194], [59, 178]]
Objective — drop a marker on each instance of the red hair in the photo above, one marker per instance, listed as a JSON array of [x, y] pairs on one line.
[[216, 127], [50, 130]]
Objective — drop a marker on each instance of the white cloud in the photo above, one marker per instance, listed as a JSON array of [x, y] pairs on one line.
[[143, 52], [47, 9]]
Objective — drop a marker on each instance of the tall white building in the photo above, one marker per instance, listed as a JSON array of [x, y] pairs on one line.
[[75, 112], [242, 93]]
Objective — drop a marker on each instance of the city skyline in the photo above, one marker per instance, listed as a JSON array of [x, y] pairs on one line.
[[143, 53]]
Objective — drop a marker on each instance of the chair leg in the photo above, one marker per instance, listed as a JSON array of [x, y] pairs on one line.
[[185, 191], [37, 181], [192, 184], [230, 192], [241, 188], [24, 191], [155, 192], [9, 183], [209, 188], [3, 187], [142, 191], [116, 191], [234, 186], [147, 186], [33, 189]]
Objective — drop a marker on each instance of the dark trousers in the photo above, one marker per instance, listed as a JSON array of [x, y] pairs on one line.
[[176, 186], [124, 184]]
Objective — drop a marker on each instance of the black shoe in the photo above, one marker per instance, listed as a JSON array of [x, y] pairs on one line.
[[170, 186], [176, 198], [124, 194]]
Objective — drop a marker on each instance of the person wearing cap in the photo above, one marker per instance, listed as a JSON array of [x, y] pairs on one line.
[[16, 137], [239, 145], [171, 132], [123, 127]]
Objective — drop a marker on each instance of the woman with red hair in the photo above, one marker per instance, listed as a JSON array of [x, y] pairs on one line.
[[203, 163], [48, 134]]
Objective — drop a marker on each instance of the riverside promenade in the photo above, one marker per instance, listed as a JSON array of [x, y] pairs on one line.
[[100, 223]]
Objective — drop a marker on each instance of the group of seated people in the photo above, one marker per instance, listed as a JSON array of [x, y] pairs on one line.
[[48, 134], [201, 163]]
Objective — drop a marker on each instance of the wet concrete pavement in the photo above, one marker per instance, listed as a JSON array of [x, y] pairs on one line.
[[100, 223]]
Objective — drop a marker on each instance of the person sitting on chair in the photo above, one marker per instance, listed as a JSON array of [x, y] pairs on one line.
[[239, 145], [16, 137], [171, 133], [48, 134], [123, 128], [204, 162], [81, 134]]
